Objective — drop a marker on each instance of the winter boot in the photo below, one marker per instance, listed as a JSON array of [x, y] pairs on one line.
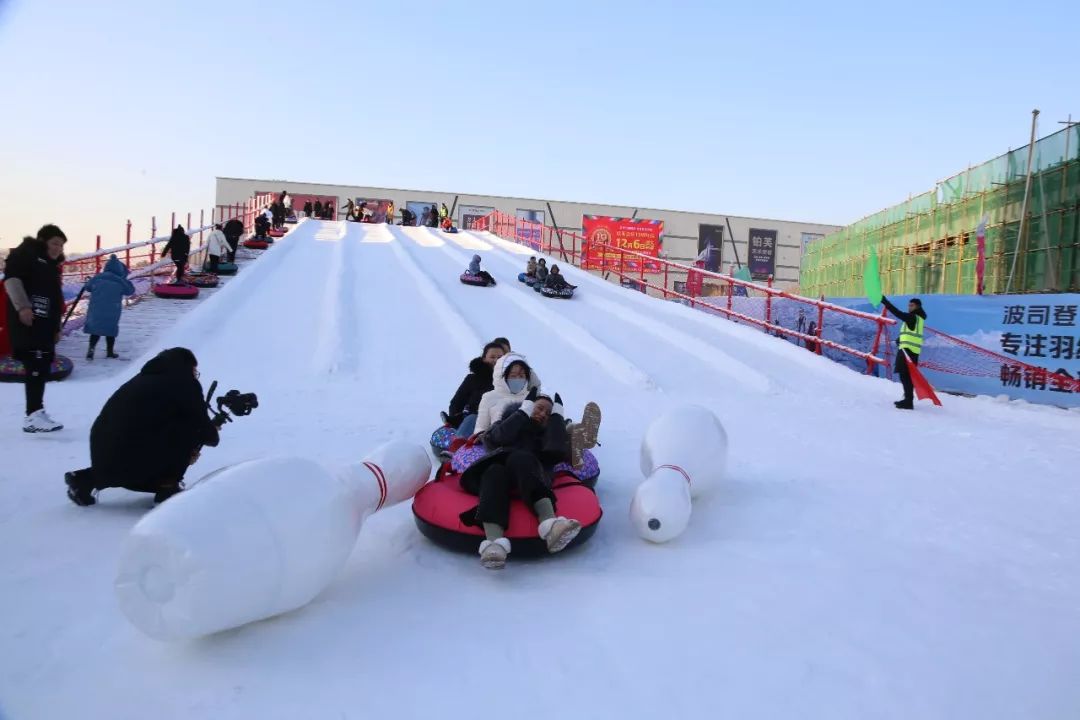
[[583, 434], [90, 354], [81, 490], [558, 532], [166, 491], [904, 405], [493, 553], [113, 356], [38, 422]]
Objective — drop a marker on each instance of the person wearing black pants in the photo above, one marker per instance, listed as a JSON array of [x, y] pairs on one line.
[[179, 246], [910, 341], [233, 230], [35, 305], [524, 448]]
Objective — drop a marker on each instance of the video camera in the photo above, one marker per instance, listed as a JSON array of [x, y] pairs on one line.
[[236, 402]]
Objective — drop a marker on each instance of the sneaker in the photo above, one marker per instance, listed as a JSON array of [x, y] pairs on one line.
[[558, 532], [40, 422], [113, 356], [81, 490], [493, 553]]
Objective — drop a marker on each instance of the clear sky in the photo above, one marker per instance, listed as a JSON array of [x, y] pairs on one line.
[[810, 111]]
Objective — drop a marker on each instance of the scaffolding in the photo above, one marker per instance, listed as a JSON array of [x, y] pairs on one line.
[[928, 244]]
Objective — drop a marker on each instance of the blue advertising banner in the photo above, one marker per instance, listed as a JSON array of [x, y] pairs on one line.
[[1021, 330]]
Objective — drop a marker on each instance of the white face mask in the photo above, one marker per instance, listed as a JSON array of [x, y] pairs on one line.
[[516, 385]]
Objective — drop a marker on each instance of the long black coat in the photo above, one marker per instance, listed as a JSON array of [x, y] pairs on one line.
[[233, 230], [179, 245], [466, 400], [40, 278], [518, 431], [151, 425]]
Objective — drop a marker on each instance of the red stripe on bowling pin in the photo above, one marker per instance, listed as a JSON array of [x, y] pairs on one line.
[[677, 469], [379, 478]]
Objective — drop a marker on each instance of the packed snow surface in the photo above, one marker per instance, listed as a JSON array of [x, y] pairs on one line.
[[855, 561]]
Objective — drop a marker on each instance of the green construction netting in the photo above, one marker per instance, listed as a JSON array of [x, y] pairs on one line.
[[927, 244]]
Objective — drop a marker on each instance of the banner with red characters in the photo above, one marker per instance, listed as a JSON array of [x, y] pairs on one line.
[[605, 236]]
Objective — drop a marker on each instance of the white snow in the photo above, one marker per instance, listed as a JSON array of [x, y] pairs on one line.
[[856, 562]]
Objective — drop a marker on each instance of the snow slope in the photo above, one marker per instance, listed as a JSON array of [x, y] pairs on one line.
[[858, 562]]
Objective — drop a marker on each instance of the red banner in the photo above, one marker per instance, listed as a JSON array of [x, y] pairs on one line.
[[605, 236]]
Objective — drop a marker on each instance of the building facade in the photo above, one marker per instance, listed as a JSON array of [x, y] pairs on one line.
[[778, 244]]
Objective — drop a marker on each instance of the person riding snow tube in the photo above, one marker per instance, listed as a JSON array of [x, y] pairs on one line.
[[556, 286], [529, 280], [12, 370], [475, 276]]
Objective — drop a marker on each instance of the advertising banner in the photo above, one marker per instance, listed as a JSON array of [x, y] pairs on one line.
[[604, 236], [419, 208], [530, 231], [762, 253], [1040, 331], [469, 214], [371, 210], [710, 246]]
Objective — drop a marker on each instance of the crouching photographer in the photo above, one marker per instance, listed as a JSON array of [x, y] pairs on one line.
[[152, 429]]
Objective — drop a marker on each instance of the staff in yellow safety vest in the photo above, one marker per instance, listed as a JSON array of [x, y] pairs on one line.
[[912, 324]]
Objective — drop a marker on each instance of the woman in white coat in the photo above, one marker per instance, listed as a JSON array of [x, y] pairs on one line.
[[217, 247], [512, 378]]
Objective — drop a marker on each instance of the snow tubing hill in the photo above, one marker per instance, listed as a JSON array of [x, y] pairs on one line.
[[439, 504], [227, 268], [203, 279], [176, 292], [12, 370], [565, 293], [256, 244], [473, 280]]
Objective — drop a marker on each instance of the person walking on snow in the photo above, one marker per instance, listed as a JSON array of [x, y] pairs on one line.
[[178, 247], [910, 341], [107, 292], [35, 305], [216, 248]]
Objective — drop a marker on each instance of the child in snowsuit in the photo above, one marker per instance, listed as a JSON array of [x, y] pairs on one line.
[[530, 267], [474, 269], [107, 292]]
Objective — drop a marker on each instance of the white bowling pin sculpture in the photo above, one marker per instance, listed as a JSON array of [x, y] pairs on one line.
[[683, 454], [255, 540]]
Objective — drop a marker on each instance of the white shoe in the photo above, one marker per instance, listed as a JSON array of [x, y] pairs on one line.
[[493, 553], [559, 532], [40, 422]]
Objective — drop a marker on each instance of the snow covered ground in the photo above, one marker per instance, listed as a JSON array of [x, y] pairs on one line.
[[858, 562]]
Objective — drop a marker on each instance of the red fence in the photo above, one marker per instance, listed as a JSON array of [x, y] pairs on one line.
[[801, 320]]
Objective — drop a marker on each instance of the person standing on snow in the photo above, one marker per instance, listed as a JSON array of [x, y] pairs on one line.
[[390, 213], [35, 305], [178, 247], [107, 292], [308, 209], [318, 209], [910, 341], [216, 248], [233, 230]]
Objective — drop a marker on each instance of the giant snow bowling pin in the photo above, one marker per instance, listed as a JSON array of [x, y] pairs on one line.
[[683, 454], [256, 539]]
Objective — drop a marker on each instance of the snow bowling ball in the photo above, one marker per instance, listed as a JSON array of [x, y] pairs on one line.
[[438, 508], [12, 370]]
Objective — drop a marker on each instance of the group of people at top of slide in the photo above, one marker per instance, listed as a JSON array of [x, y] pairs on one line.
[[502, 404]]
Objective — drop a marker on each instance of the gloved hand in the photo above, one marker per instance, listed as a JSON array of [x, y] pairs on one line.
[[529, 403], [557, 407]]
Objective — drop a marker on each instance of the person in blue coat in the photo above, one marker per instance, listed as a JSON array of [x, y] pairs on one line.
[[107, 290]]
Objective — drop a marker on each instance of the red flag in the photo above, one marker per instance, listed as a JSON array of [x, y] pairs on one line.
[[923, 389]]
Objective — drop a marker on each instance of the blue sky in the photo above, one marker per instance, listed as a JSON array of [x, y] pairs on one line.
[[812, 111]]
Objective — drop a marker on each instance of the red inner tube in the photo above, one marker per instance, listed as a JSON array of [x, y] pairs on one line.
[[439, 504], [256, 244], [165, 290]]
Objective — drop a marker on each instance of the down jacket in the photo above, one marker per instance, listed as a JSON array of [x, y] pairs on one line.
[[466, 400], [216, 244], [107, 292], [495, 401], [32, 279]]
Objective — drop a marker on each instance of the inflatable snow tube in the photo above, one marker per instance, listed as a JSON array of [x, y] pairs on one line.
[[276, 233], [439, 504], [529, 280], [227, 268], [537, 286], [203, 279], [588, 474], [476, 280], [566, 293], [12, 370], [256, 244], [176, 292], [441, 438], [291, 220]]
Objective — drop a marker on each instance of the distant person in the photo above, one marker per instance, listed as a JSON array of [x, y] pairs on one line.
[[35, 306], [234, 230], [288, 203], [408, 217], [390, 213], [308, 209], [475, 271], [178, 247], [541, 270], [910, 342], [107, 292], [556, 281], [217, 247], [350, 211], [318, 209], [530, 267]]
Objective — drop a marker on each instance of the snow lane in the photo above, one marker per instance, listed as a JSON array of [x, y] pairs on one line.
[[615, 365]]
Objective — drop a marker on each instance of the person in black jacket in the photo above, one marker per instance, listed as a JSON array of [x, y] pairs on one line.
[[524, 448], [149, 432], [179, 246], [466, 400], [35, 306], [910, 340], [233, 230], [318, 209], [308, 210]]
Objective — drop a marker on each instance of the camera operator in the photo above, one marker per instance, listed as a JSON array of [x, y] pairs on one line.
[[149, 432]]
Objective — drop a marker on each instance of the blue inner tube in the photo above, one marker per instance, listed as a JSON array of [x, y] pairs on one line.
[[227, 268]]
